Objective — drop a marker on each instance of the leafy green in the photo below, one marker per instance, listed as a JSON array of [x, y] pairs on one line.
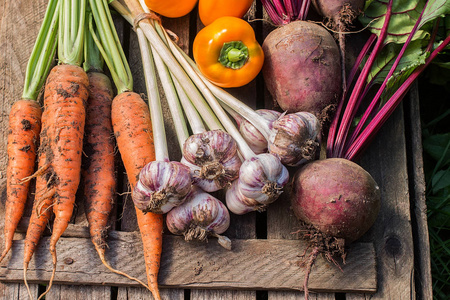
[[404, 16], [435, 9], [437, 147], [441, 181], [413, 57]]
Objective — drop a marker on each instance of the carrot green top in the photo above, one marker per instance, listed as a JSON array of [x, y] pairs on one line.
[[72, 15], [42, 54], [108, 42], [93, 60]]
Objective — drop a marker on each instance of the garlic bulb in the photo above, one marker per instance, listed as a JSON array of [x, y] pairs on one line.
[[295, 138], [213, 159], [200, 216], [262, 178], [239, 204], [254, 138], [161, 186]]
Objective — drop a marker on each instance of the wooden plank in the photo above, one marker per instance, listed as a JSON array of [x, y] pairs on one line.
[[385, 160], [241, 227], [424, 286], [19, 26], [142, 293], [61, 292], [251, 264], [17, 291]]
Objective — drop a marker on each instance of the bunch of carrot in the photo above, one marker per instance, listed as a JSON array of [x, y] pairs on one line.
[[79, 116]]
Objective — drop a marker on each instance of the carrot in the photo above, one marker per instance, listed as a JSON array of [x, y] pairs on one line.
[[23, 133], [25, 125], [98, 167], [65, 99], [42, 210], [133, 132], [60, 151], [63, 120]]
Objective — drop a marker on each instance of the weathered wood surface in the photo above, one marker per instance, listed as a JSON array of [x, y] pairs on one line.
[[395, 245], [251, 264]]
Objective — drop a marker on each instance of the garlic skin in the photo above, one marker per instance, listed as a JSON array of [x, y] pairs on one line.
[[161, 186], [213, 159], [200, 216], [262, 178], [254, 138], [295, 138], [238, 203]]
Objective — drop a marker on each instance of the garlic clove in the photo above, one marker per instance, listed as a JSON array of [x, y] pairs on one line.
[[200, 216], [161, 186], [238, 203], [213, 159], [295, 138], [254, 138], [262, 178]]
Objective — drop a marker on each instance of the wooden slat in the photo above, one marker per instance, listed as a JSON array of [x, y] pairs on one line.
[[17, 291], [142, 293], [60, 292], [241, 227], [252, 264], [418, 200], [386, 162], [19, 26]]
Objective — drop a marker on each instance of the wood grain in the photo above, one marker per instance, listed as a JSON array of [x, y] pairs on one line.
[[19, 26], [417, 186], [252, 264], [385, 160]]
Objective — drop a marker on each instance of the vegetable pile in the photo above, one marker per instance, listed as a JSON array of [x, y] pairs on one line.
[[249, 154]]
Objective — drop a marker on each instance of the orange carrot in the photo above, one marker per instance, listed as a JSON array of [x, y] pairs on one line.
[[61, 142], [98, 165], [65, 99], [42, 209], [133, 132], [25, 125], [23, 135]]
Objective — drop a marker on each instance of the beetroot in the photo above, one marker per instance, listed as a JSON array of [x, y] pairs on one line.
[[339, 11], [338, 201], [302, 68], [336, 196]]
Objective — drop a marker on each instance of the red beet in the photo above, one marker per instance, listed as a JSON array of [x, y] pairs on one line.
[[339, 201], [302, 68], [337, 196], [338, 11]]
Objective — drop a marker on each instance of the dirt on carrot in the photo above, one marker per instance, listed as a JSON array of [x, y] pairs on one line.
[[133, 132], [23, 137], [98, 161]]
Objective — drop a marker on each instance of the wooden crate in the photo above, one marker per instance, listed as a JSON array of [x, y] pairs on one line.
[[390, 262]]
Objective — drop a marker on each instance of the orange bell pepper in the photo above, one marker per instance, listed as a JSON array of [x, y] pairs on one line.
[[171, 8], [227, 52], [210, 10]]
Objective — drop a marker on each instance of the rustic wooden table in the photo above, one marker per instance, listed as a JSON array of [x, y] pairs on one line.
[[390, 262]]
